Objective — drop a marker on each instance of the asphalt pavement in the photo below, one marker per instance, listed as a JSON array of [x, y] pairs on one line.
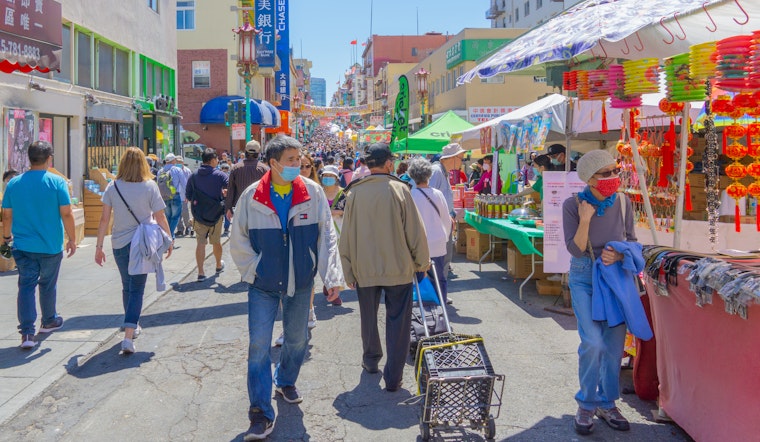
[[187, 380]]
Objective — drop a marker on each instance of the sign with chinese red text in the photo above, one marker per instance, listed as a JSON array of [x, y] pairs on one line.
[[30, 34], [481, 114], [558, 186], [238, 131]]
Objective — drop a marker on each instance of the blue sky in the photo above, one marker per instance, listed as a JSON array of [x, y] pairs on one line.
[[322, 30]]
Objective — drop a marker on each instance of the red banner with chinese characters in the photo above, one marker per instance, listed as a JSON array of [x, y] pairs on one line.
[[30, 35]]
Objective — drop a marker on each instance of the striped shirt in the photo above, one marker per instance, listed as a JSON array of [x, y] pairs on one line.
[[242, 175]]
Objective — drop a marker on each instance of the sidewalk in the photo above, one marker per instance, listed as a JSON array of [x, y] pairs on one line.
[[89, 300]]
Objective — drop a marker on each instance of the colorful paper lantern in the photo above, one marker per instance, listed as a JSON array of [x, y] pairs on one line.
[[642, 76], [702, 60], [679, 84], [733, 57]]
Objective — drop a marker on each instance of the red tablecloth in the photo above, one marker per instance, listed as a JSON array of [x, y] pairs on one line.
[[708, 363]]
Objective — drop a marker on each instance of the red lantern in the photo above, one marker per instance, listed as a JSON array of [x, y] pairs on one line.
[[736, 171], [736, 151]]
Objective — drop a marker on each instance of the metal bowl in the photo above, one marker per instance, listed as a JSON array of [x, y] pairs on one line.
[[523, 212]]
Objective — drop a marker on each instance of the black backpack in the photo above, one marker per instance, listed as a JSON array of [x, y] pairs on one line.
[[206, 210]]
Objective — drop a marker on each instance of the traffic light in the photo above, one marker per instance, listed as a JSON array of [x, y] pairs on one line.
[[242, 114], [229, 115]]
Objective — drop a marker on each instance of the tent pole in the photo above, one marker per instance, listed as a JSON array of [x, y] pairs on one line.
[[568, 132], [640, 172], [494, 164], [681, 175]]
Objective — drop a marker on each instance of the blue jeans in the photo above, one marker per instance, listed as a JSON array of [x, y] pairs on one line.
[[442, 271], [173, 212], [601, 346], [262, 311], [36, 269], [132, 288]]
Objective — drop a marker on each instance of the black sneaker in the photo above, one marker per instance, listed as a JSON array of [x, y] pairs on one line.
[[221, 268], [614, 418], [27, 342], [260, 428], [290, 394], [201, 278], [584, 421], [56, 324], [369, 368]]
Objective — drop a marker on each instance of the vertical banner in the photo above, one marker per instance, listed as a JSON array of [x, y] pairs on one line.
[[20, 124], [265, 47], [401, 112], [282, 76]]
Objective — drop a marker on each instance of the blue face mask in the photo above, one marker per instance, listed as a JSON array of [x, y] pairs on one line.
[[536, 173], [289, 173], [329, 180], [556, 162]]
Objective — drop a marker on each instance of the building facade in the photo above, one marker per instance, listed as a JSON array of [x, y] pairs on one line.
[[525, 14], [115, 87], [318, 91]]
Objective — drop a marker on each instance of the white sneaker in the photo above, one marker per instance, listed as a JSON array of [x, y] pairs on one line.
[[278, 342], [127, 346], [557, 277], [312, 319], [137, 332]]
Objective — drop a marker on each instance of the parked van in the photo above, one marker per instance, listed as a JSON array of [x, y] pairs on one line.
[[192, 155]]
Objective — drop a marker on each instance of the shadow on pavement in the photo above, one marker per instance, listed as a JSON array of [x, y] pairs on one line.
[[372, 407], [15, 356], [107, 361], [553, 428]]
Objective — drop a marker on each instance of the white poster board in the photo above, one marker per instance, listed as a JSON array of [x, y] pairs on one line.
[[558, 186]]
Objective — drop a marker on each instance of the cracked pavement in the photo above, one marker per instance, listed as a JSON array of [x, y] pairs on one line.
[[187, 381]]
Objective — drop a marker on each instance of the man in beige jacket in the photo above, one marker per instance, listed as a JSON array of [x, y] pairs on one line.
[[382, 244]]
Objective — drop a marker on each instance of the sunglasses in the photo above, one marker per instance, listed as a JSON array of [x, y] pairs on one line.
[[609, 173], [305, 166]]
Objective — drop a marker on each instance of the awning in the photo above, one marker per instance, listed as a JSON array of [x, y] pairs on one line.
[[31, 35], [263, 113]]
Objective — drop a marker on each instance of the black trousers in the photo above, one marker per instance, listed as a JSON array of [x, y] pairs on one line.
[[398, 322]]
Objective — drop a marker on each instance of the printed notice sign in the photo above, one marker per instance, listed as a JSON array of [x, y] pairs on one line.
[[558, 186]]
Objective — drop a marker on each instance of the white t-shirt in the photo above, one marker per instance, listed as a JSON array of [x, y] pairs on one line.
[[143, 198], [437, 223]]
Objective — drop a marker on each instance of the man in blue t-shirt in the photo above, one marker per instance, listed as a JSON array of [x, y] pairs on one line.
[[37, 235]]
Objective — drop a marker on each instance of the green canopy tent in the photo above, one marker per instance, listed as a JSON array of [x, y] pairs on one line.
[[432, 138]]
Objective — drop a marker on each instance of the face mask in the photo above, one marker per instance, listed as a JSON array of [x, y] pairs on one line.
[[556, 162], [536, 173], [486, 166], [289, 173], [329, 180], [607, 186]]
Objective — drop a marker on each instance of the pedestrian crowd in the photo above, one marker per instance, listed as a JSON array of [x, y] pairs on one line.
[[293, 211]]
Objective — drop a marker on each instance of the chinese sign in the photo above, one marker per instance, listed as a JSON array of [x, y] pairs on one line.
[[265, 20], [482, 114], [282, 76], [30, 34]]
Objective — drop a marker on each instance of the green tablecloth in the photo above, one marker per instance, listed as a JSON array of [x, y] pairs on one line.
[[505, 229]]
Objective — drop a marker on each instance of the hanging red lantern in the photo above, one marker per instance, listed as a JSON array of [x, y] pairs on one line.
[[736, 171]]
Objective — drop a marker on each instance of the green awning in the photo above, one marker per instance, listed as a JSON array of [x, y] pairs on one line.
[[432, 138]]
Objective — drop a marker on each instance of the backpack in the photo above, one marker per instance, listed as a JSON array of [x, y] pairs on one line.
[[165, 185], [206, 210]]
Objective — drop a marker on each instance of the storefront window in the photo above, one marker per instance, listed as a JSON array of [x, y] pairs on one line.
[[84, 61], [106, 143], [105, 67]]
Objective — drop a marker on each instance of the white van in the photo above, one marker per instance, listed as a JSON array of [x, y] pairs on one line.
[[191, 153]]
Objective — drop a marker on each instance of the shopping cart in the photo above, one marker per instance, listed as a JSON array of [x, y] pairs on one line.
[[457, 381]]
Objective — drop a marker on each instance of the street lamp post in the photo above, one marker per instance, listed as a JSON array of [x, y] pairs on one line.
[[296, 103], [384, 102], [247, 65], [422, 91]]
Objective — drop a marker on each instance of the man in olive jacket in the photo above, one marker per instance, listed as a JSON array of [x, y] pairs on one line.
[[382, 244]]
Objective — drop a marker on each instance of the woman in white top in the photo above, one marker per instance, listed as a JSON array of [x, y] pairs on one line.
[[141, 200], [435, 216]]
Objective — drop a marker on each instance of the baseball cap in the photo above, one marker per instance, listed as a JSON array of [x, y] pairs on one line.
[[224, 166], [180, 159], [451, 150], [253, 146], [333, 170], [378, 153], [555, 149], [170, 157]]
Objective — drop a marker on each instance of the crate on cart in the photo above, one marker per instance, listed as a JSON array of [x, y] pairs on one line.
[[458, 383]]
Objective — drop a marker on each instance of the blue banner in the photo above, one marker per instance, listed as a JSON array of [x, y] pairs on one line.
[[265, 45], [282, 76]]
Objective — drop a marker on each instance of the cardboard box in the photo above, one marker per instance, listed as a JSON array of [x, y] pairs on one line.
[[519, 265], [460, 243], [549, 288], [477, 245]]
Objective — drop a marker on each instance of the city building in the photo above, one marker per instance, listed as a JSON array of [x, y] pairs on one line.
[[89, 82], [525, 14], [318, 91]]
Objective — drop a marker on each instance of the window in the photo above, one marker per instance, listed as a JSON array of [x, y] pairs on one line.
[[121, 71], [517, 15], [414, 52], [105, 67], [186, 15], [84, 62], [201, 74], [527, 8], [153, 4], [65, 74], [539, 4], [155, 79]]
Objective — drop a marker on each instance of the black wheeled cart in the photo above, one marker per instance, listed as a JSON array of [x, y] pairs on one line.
[[456, 380]]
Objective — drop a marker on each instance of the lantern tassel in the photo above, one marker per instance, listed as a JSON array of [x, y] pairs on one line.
[[687, 196], [604, 119], [737, 217]]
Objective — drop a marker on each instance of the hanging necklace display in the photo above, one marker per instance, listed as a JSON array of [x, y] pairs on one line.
[[710, 167]]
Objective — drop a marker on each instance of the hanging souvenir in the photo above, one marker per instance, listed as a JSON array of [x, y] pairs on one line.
[[642, 76], [680, 86], [733, 56], [618, 98], [702, 60], [736, 170], [753, 169]]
